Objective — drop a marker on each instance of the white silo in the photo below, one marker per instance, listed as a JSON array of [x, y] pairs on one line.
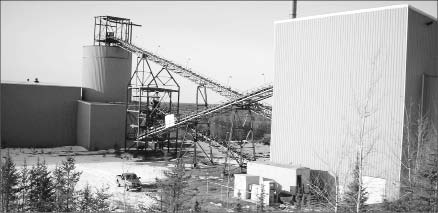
[[105, 74]]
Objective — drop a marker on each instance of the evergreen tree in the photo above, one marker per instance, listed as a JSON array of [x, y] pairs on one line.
[[355, 187], [421, 188], [41, 191], [239, 205], [65, 180], [423, 196], [261, 201], [89, 201], [425, 192], [101, 200], [23, 187], [173, 192], [431, 174], [85, 199], [197, 207], [9, 185]]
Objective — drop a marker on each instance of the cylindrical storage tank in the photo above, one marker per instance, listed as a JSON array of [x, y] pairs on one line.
[[105, 74]]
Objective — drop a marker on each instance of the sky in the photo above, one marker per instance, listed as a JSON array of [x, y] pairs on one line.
[[230, 41]]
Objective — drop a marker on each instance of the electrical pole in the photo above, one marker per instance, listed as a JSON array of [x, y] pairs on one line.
[[294, 9]]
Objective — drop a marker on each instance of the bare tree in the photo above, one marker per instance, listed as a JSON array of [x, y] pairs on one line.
[[173, 194], [419, 161]]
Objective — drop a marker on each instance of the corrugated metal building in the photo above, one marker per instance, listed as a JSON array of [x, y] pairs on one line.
[[106, 71], [329, 67], [100, 125], [101, 114], [38, 115]]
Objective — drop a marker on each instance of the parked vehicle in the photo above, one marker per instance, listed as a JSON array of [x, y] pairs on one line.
[[129, 180]]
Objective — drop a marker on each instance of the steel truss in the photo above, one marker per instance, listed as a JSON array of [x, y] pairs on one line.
[[229, 93], [106, 28], [146, 99], [247, 99], [227, 147], [240, 135], [201, 125], [149, 99]]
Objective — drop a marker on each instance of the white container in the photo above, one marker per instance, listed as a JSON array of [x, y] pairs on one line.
[[242, 184]]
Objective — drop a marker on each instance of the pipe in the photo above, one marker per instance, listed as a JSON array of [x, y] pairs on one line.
[[294, 9]]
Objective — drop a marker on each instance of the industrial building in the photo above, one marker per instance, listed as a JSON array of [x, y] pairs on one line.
[[101, 113], [329, 68], [117, 106], [38, 115]]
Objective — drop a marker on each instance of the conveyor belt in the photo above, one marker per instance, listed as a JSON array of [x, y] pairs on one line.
[[260, 108], [249, 98]]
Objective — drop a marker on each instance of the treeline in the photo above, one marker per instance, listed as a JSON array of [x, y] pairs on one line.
[[220, 126], [36, 189]]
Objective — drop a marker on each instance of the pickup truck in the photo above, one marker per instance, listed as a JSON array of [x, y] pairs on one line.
[[129, 181]]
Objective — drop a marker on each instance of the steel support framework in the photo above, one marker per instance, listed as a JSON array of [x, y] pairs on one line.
[[144, 108], [201, 125], [149, 99], [240, 135], [260, 108], [107, 28], [247, 99]]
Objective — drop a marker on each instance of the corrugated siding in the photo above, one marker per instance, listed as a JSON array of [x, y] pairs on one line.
[[323, 70], [107, 126], [36, 115], [83, 124], [422, 53]]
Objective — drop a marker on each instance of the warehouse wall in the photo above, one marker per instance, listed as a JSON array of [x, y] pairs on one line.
[[83, 124], [422, 51], [326, 68], [35, 115], [101, 125], [431, 103]]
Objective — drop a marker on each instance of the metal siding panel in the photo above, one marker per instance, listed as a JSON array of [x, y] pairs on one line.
[[422, 53], [36, 115], [107, 125], [106, 73], [83, 134], [323, 68]]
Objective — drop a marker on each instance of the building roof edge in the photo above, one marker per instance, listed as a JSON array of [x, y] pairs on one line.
[[349, 13]]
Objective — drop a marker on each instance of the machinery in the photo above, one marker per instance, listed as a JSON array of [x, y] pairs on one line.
[[153, 94]]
